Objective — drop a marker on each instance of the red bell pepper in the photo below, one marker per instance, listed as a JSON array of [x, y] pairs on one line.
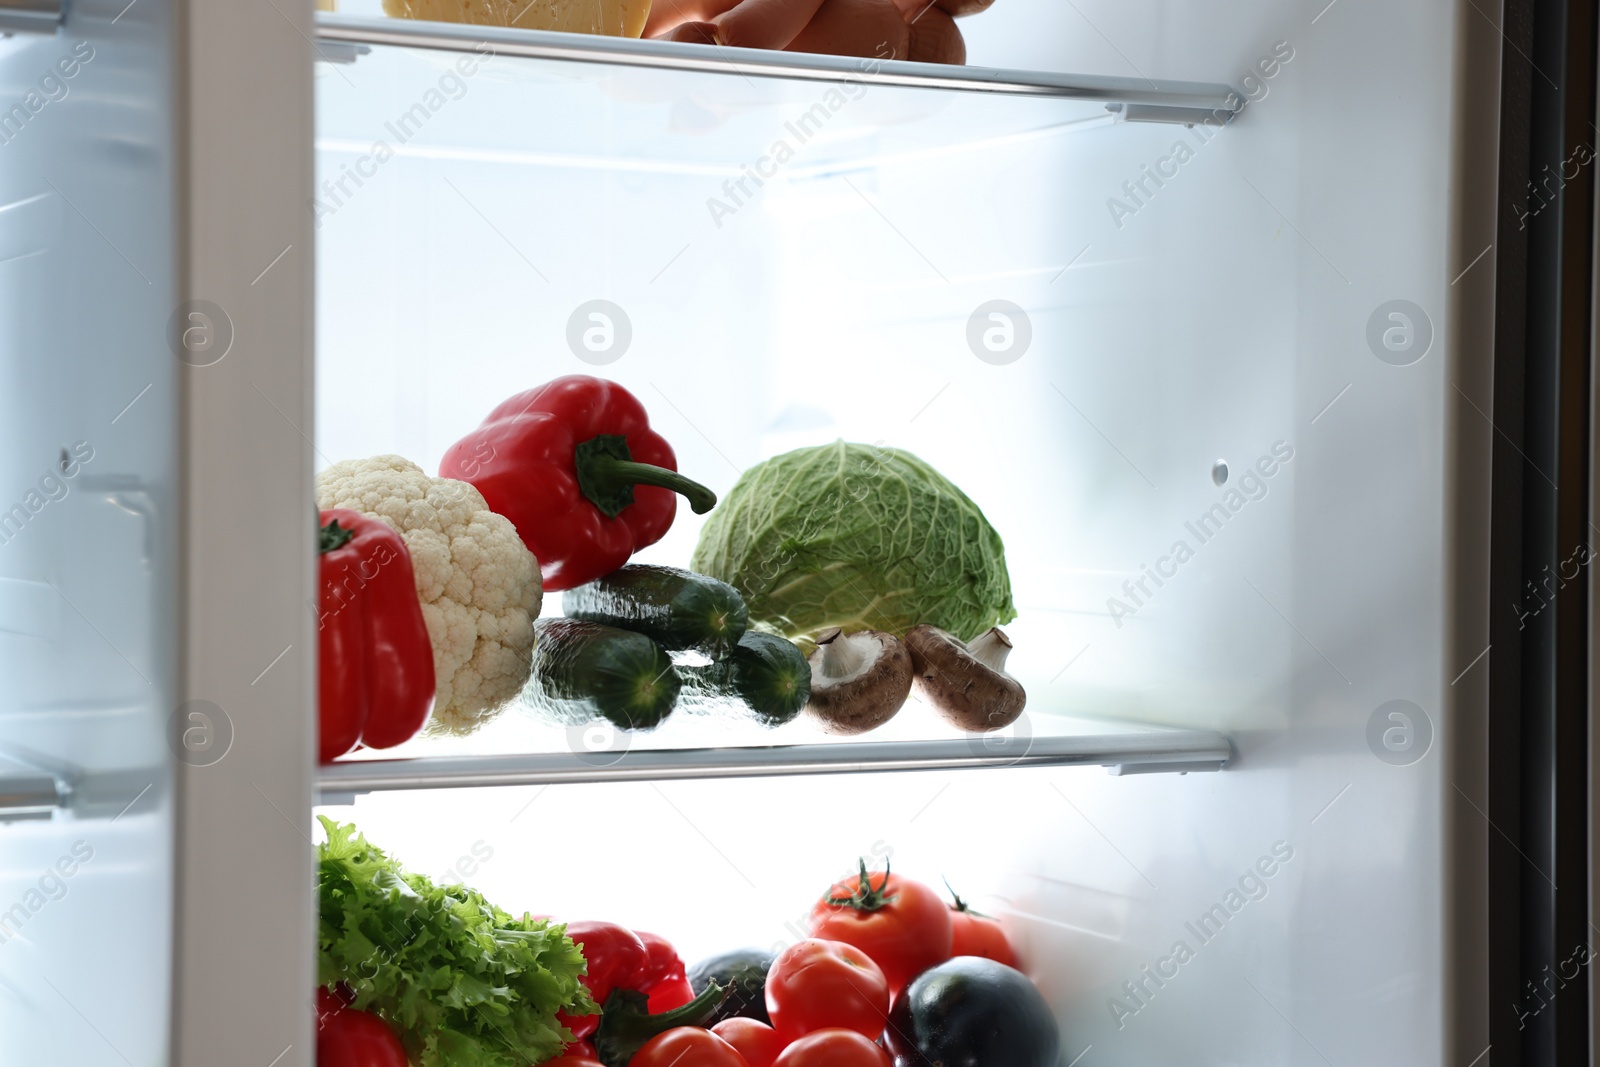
[[616, 958], [375, 679], [576, 468], [664, 979], [638, 979]]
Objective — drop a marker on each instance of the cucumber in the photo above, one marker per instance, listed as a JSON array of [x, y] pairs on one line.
[[583, 671], [679, 609], [764, 671]]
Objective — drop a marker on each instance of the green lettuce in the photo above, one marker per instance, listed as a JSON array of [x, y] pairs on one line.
[[463, 983], [860, 537]]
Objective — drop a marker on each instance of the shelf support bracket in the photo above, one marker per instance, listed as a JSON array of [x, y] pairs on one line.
[[1216, 118], [29, 790], [31, 16], [1176, 767]]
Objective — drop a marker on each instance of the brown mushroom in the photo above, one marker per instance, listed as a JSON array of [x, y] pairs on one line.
[[967, 684], [858, 681]]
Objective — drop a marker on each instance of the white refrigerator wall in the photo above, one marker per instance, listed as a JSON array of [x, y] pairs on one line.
[[1240, 308]]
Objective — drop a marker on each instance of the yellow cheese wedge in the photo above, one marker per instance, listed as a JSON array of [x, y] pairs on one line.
[[613, 18]]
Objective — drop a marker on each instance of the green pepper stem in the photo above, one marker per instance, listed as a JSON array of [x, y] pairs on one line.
[[626, 1024], [332, 536], [693, 1013], [607, 473], [619, 472]]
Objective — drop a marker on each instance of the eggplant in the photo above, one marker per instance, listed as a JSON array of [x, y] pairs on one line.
[[745, 971], [972, 1012]]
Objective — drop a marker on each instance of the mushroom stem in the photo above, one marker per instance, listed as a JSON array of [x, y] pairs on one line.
[[991, 649], [841, 657]]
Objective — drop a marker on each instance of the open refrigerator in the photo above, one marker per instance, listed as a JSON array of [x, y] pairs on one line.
[[1235, 321]]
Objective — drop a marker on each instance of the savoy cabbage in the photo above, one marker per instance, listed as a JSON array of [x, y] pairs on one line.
[[860, 537]]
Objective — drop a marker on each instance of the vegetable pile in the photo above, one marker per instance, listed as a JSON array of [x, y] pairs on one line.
[[573, 481], [890, 976], [876, 939], [865, 555]]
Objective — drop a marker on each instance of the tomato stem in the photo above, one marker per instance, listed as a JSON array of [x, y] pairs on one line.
[[961, 905], [866, 898]]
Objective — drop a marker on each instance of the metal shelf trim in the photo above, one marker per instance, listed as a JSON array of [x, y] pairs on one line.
[[1174, 750], [1193, 98]]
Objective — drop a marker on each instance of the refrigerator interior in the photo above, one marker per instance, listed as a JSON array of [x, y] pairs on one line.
[[1233, 311]]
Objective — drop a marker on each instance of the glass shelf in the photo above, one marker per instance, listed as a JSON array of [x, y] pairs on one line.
[[344, 38], [582, 105], [681, 749]]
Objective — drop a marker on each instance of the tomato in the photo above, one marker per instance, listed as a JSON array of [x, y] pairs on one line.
[[820, 985], [687, 1046], [834, 1048], [577, 1054], [572, 1059], [979, 935], [331, 999], [352, 1038], [903, 925], [975, 934], [757, 1042]]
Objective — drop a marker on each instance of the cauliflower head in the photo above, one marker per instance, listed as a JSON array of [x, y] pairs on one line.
[[479, 585]]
